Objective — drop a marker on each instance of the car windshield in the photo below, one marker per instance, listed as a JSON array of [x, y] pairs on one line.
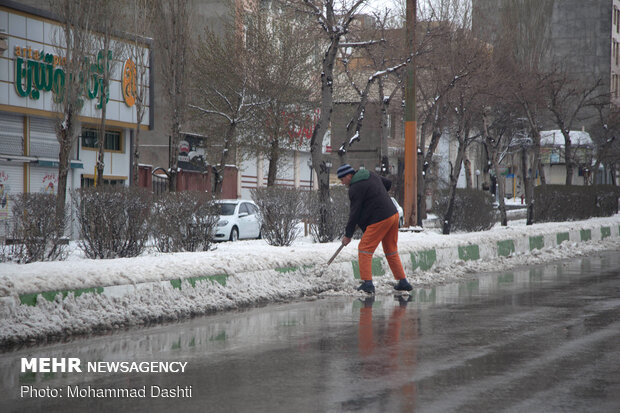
[[227, 209]]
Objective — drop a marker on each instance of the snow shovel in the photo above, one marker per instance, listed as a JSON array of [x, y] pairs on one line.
[[331, 260]]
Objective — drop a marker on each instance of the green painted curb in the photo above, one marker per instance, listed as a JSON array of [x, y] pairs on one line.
[[286, 269], [219, 278], [562, 236], [220, 337], [31, 299], [505, 248], [605, 232], [423, 260], [537, 242], [377, 268], [586, 235], [469, 252]]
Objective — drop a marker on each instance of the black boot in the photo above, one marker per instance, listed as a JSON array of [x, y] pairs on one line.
[[367, 287], [403, 285]]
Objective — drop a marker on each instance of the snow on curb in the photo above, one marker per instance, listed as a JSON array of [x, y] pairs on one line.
[[51, 299]]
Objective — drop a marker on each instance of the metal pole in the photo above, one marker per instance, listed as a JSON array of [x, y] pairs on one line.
[[411, 168]]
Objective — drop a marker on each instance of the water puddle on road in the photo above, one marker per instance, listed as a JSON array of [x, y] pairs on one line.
[[439, 349]]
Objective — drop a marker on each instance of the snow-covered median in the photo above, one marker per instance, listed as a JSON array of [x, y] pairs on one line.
[[80, 296]]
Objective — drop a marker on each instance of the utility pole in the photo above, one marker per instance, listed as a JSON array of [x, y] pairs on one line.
[[411, 146]]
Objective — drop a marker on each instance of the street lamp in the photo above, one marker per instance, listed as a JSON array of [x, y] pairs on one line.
[[477, 175]]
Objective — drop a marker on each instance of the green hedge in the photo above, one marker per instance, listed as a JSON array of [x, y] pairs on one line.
[[556, 203]]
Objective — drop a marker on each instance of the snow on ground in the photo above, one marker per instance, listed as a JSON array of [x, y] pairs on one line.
[[238, 257], [251, 278]]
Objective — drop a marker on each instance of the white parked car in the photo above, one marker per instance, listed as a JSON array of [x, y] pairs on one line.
[[238, 220], [401, 220]]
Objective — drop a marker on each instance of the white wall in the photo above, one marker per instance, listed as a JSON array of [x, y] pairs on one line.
[[293, 171]]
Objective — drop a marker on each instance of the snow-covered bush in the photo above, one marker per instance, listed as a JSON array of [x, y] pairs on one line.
[[473, 210], [34, 235], [280, 210], [113, 220], [184, 221], [335, 221]]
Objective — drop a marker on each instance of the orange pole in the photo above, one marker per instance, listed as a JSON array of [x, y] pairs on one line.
[[410, 207]]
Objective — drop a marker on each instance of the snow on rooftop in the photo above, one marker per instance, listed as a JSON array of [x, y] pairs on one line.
[[555, 138]]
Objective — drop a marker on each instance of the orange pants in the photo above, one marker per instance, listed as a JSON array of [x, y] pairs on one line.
[[386, 232]]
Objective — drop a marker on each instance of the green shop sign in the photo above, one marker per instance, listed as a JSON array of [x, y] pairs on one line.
[[37, 72]]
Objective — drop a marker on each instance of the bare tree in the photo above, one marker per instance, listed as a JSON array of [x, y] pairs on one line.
[[75, 18], [172, 30], [140, 55], [525, 42], [377, 76], [468, 58], [566, 99], [224, 93], [607, 140], [109, 14], [498, 128], [436, 81], [284, 47], [334, 19]]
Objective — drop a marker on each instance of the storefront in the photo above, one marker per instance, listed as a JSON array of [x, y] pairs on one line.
[[31, 64]]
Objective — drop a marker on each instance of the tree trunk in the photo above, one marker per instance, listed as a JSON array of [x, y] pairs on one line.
[[568, 157], [526, 180], [173, 160], [100, 146], [424, 165], [468, 180], [541, 173], [454, 176], [421, 196], [316, 142], [501, 190], [104, 69], [136, 157], [219, 171], [63, 172], [274, 157], [529, 194]]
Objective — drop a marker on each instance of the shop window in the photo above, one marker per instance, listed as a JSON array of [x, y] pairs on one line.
[[113, 141]]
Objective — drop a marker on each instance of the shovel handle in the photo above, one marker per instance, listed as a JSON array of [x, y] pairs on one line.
[[335, 254]]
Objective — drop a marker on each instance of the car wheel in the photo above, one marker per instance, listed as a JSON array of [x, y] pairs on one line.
[[234, 234]]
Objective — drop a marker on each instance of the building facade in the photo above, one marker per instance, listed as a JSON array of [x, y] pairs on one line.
[[31, 62]]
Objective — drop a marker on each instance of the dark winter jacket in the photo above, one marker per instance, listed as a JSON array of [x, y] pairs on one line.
[[370, 202]]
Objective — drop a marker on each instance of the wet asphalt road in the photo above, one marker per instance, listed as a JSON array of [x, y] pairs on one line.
[[542, 339]]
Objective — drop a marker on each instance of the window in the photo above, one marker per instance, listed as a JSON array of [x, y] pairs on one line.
[[244, 209], [253, 209], [227, 209], [112, 141]]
